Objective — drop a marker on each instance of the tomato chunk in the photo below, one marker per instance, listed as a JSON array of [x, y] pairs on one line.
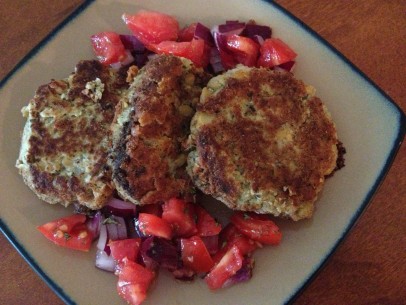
[[206, 224], [245, 50], [180, 215], [108, 47], [133, 281], [195, 255], [231, 236], [187, 33], [152, 225], [152, 27], [257, 227], [128, 248], [195, 50], [230, 263], [70, 232], [275, 52]]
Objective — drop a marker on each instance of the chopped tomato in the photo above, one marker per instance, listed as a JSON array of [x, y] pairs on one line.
[[194, 50], [245, 50], [70, 232], [195, 255], [230, 263], [149, 224], [206, 224], [132, 293], [108, 47], [181, 216], [125, 248], [257, 227], [152, 27], [230, 237], [133, 281], [187, 33], [274, 52]]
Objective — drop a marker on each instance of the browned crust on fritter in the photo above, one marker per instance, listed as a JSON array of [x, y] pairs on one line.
[[148, 159], [71, 136], [240, 144]]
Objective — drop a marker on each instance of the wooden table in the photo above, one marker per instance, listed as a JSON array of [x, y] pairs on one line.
[[370, 266]]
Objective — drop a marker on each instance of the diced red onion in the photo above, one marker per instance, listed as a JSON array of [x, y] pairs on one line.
[[288, 66], [121, 228], [158, 251], [203, 32], [231, 28], [131, 231], [242, 275], [120, 208], [131, 43], [140, 59], [116, 228], [211, 243], [258, 39], [94, 223], [147, 244], [251, 30], [104, 261], [102, 242], [215, 61], [112, 231]]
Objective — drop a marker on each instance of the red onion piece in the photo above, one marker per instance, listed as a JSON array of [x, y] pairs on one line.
[[104, 261], [242, 275], [147, 244], [102, 242], [158, 251], [116, 228], [121, 228], [94, 223], [251, 30], [211, 243], [131, 43], [288, 66], [230, 28], [215, 61], [203, 32], [120, 208], [258, 39]]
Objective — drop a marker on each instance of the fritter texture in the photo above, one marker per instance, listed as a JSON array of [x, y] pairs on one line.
[[261, 141], [148, 159], [67, 137]]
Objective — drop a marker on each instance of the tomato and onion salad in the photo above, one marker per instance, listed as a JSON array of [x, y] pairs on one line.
[[178, 236], [134, 242], [218, 49]]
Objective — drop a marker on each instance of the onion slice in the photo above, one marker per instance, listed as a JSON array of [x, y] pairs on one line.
[[120, 208], [104, 261]]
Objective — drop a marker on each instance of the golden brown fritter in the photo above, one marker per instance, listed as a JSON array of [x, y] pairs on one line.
[[67, 136], [148, 158], [261, 141]]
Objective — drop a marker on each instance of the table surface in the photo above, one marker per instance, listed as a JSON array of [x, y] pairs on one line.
[[370, 265]]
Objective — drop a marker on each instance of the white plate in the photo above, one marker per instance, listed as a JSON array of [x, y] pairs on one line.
[[370, 125]]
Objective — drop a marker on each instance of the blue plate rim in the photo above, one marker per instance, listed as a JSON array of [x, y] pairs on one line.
[[291, 299]]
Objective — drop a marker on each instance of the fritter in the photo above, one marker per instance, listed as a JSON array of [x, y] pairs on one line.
[[148, 159], [67, 138], [261, 141]]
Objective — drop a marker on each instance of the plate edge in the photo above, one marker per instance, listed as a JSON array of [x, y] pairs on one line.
[[394, 149]]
